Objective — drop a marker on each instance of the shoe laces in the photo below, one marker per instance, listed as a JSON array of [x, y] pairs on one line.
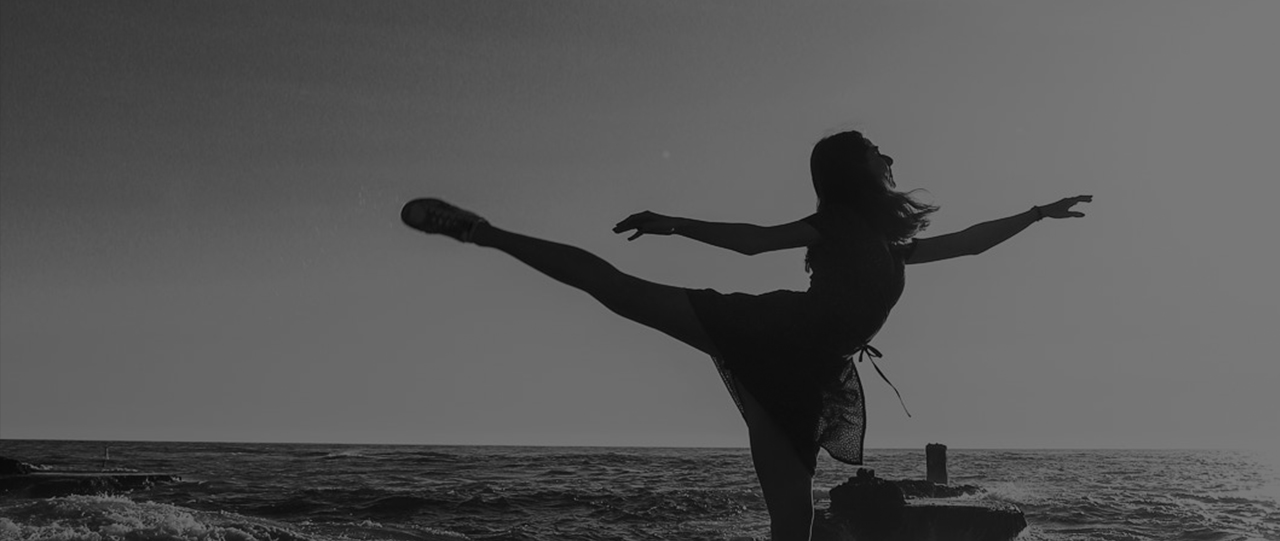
[[449, 219]]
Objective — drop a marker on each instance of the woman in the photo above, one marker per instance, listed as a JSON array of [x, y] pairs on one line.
[[785, 356]]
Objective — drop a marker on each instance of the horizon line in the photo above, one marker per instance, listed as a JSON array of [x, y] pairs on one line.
[[599, 446]]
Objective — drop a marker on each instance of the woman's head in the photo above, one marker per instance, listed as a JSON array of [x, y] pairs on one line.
[[850, 173], [848, 165]]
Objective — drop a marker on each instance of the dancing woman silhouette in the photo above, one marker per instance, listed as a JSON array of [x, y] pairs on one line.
[[787, 357]]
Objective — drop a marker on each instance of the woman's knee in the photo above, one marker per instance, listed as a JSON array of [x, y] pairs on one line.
[[660, 307]]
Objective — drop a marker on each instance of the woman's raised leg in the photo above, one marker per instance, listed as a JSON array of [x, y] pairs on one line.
[[662, 307], [784, 479]]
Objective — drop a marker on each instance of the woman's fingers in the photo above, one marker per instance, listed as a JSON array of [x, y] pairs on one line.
[[1062, 208], [631, 222], [1076, 200], [645, 228], [624, 225], [646, 223]]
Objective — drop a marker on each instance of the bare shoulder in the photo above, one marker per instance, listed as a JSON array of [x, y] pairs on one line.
[[795, 234]]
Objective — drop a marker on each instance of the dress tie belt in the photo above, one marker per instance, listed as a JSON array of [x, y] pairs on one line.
[[866, 350]]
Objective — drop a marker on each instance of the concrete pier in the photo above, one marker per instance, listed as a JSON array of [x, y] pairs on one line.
[[935, 456]]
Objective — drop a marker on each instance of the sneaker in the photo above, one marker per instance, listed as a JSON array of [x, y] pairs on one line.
[[435, 216]]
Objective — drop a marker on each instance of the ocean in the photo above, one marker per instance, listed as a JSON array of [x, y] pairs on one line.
[[305, 492]]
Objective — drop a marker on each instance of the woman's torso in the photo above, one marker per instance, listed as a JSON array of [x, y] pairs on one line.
[[856, 276]]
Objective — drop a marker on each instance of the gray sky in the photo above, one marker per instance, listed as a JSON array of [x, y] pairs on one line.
[[199, 233]]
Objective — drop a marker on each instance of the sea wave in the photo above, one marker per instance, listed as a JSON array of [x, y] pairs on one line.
[[328, 492], [103, 517], [92, 518]]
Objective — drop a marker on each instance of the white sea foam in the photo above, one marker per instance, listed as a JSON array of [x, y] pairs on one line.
[[102, 518], [95, 518]]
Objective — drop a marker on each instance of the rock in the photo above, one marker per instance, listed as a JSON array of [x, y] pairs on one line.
[[51, 484], [9, 466], [873, 504], [867, 508], [963, 520], [23, 479], [913, 488]]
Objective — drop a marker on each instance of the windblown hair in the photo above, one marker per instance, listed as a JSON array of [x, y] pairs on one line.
[[845, 182]]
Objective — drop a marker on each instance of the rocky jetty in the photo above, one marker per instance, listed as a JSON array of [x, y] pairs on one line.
[[867, 508], [19, 478], [9, 466]]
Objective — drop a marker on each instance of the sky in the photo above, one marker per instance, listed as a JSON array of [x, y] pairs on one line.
[[200, 236]]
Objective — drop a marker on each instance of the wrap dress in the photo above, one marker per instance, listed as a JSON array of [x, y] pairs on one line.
[[795, 351]]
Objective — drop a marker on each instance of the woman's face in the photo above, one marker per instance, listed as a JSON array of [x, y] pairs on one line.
[[880, 164]]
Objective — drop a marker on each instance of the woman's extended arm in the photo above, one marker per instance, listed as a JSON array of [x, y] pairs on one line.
[[981, 237]]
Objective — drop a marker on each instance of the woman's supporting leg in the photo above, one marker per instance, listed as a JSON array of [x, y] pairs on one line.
[[662, 307], [784, 479]]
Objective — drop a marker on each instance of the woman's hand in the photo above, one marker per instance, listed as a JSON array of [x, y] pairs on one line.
[[648, 223], [1062, 208]]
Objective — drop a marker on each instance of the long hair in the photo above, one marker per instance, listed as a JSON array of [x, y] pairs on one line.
[[846, 182]]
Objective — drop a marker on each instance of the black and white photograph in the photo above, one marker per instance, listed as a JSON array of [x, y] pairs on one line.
[[544, 270]]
